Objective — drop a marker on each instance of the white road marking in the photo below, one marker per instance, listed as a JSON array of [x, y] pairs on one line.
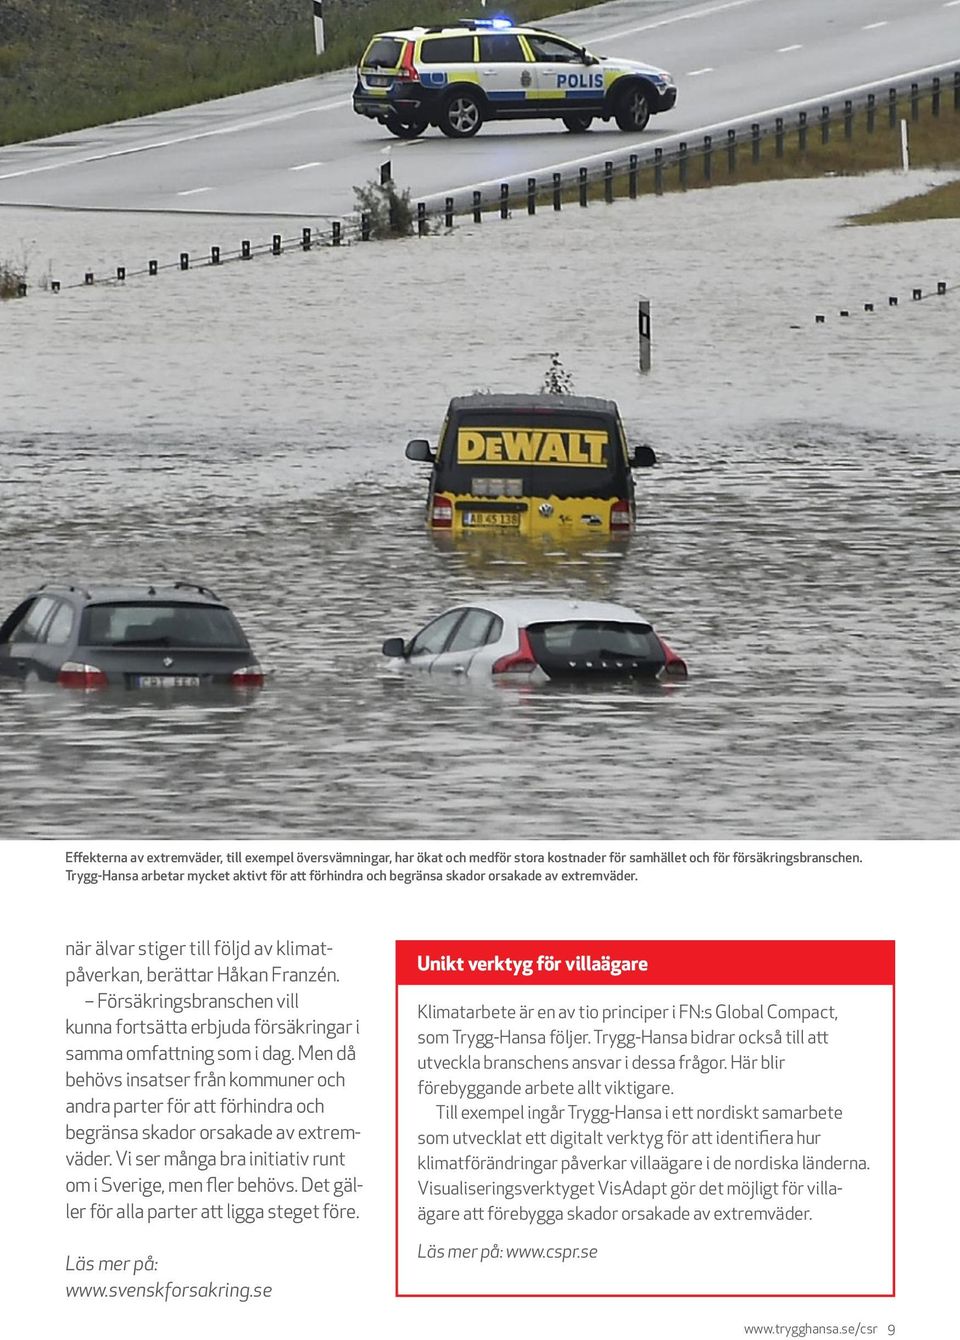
[[179, 139], [950, 4], [868, 26], [301, 167], [707, 69], [676, 18], [796, 47], [197, 190]]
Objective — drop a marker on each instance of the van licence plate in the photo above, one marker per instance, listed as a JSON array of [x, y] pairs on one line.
[[491, 518], [168, 681]]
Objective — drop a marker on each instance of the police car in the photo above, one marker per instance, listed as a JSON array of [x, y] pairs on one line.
[[477, 70]]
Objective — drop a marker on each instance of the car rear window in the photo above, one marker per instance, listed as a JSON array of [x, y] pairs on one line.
[[583, 639], [383, 53], [532, 453], [446, 51], [126, 624]]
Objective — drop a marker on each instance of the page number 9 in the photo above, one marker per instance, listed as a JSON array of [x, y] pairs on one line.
[[891, 1330]]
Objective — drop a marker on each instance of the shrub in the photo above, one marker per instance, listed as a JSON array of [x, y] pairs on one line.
[[389, 211]]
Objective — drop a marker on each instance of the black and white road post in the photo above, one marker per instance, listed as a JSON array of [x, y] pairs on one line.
[[644, 323], [318, 25]]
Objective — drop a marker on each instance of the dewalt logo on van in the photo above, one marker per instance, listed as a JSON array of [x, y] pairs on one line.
[[533, 446]]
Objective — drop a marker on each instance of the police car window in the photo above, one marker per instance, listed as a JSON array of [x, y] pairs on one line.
[[383, 54], [446, 51], [548, 48], [59, 628], [472, 631], [501, 48], [430, 641], [28, 629]]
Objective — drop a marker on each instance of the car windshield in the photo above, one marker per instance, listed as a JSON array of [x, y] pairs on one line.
[[129, 624], [603, 639], [532, 453], [383, 53]]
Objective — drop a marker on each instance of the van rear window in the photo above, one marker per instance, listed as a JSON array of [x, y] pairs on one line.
[[553, 453], [383, 53]]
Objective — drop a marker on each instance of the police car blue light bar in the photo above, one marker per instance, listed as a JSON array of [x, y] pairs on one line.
[[498, 21]]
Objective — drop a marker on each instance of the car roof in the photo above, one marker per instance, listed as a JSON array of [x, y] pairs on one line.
[[562, 403], [466, 29], [110, 591], [525, 610]]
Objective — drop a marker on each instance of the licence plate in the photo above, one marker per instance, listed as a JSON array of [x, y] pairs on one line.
[[168, 681], [378, 80], [491, 518]]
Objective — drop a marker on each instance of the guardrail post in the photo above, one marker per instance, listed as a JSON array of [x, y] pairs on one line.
[[121, 274], [365, 227], [956, 90], [935, 96], [644, 324], [386, 172], [779, 134], [245, 249], [306, 239], [802, 132], [608, 181], [914, 102], [707, 157], [892, 107], [214, 255], [755, 141], [848, 119], [152, 268], [583, 188], [88, 277], [824, 125], [448, 212], [277, 241], [941, 287], [731, 152], [504, 200], [871, 112], [633, 176], [478, 207], [531, 195], [658, 171], [54, 285], [421, 219], [22, 288], [184, 260], [557, 201], [682, 164], [336, 231]]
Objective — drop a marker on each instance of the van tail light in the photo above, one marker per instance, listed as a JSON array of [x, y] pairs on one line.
[[676, 666], [442, 513], [76, 675], [519, 662], [247, 677], [620, 514], [408, 71]]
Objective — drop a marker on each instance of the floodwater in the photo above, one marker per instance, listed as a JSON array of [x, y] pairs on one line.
[[244, 427]]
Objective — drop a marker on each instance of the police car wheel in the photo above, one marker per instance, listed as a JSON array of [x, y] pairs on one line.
[[404, 130], [578, 124], [632, 109], [461, 116]]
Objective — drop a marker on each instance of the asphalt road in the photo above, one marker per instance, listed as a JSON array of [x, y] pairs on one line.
[[299, 149]]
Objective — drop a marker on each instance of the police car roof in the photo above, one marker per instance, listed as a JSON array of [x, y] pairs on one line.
[[540, 403], [464, 26]]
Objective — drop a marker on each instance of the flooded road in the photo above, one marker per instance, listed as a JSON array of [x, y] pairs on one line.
[[797, 543]]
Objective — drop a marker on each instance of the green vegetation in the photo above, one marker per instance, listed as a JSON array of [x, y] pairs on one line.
[[388, 211], [11, 277], [66, 64], [943, 202]]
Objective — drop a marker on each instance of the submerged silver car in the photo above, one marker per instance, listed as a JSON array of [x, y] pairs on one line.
[[540, 640]]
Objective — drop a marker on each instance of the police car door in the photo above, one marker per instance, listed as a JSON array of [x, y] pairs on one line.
[[561, 77], [505, 72]]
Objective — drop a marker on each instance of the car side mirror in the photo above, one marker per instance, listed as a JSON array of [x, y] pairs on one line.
[[588, 59], [419, 450], [643, 456], [395, 647]]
